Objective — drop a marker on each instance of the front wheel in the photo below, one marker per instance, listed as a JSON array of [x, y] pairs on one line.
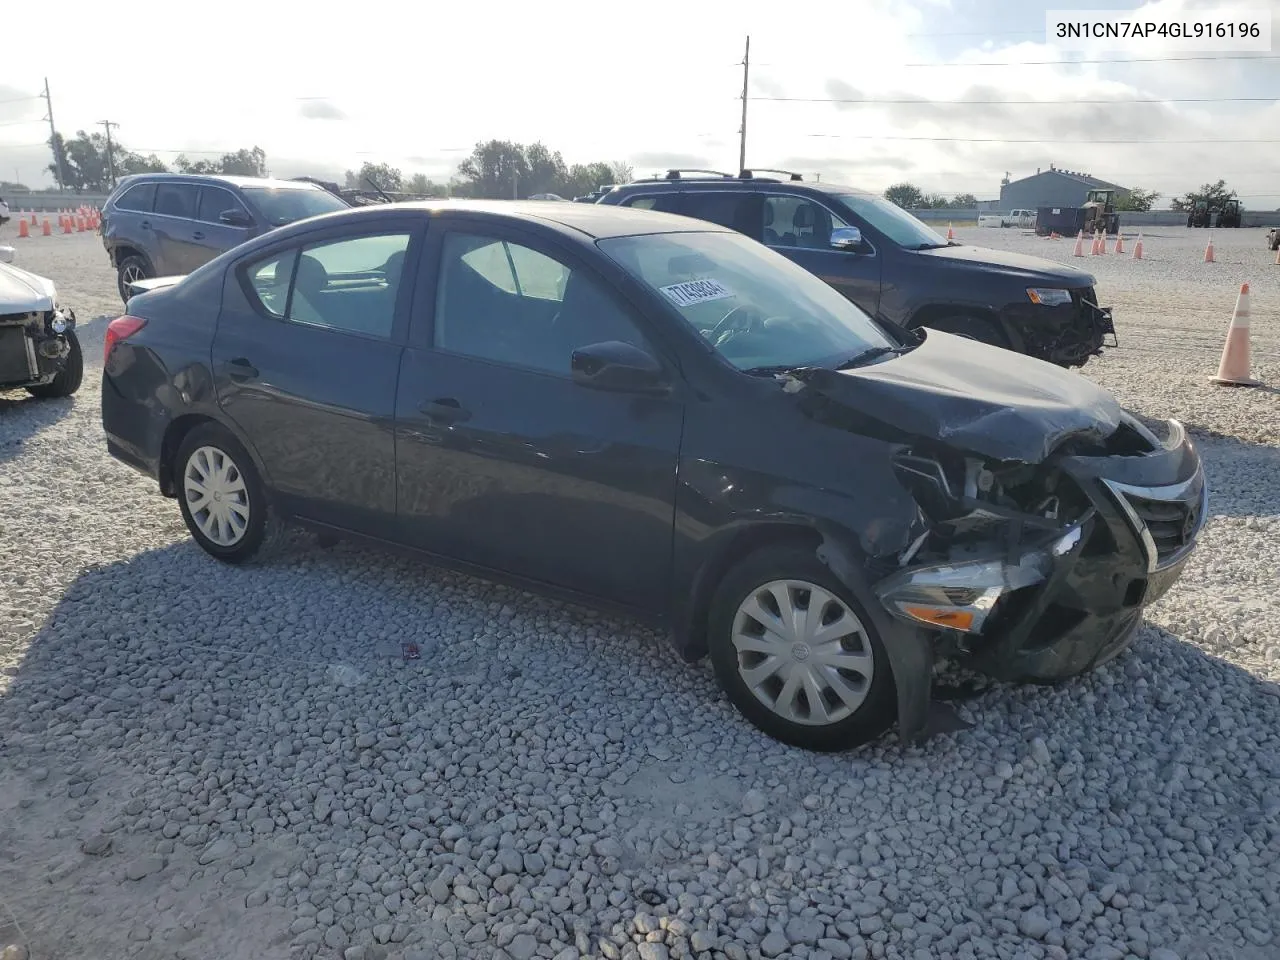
[[132, 268], [797, 655], [222, 498], [67, 380]]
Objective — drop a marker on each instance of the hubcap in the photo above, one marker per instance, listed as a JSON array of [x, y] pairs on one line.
[[216, 496], [802, 652], [132, 273]]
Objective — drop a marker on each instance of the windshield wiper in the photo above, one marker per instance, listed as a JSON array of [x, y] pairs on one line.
[[860, 358], [772, 371]]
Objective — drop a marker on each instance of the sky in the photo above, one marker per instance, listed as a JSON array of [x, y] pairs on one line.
[[418, 85]]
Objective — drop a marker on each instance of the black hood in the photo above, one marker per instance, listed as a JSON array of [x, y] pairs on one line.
[[1034, 268], [974, 397]]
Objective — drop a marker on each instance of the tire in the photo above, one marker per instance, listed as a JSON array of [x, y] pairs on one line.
[[851, 724], [132, 267], [251, 533], [68, 379], [972, 328]]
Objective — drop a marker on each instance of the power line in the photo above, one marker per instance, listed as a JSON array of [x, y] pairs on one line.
[[22, 99], [1039, 103], [1076, 141], [1063, 63]]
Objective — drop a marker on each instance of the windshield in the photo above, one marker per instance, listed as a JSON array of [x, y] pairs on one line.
[[279, 206], [756, 307], [894, 222]]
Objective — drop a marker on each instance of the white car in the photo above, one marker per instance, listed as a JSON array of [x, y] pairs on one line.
[[4, 212], [39, 349]]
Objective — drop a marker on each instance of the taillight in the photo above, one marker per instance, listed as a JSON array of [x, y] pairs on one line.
[[121, 328]]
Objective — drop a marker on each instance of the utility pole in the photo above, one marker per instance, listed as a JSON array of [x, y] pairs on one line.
[[742, 142], [58, 161], [111, 159]]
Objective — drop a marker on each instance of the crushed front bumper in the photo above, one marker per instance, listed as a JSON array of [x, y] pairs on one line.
[[1063, 603]]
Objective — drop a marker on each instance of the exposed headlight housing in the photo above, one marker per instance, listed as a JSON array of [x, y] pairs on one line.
[[1048, 296]]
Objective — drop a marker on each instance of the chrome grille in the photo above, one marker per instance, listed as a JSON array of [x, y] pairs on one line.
[[1166, 520]]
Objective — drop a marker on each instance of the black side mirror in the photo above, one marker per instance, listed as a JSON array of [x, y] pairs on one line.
[[235, 218], [617, 367]]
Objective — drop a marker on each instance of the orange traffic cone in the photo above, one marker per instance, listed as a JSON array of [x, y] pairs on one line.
[[79, 224], [23, 229], [1137, 249], [1097, 241], [48, 228], [951, 234], [33, 218], [1208, 250], [1233, 369], [1119, 243], [1079, 250], [66, 224]]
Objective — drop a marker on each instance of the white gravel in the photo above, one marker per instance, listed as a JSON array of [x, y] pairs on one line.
[[200, 761]]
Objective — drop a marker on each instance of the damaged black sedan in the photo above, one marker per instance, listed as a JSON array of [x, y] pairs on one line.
[[661, 417]]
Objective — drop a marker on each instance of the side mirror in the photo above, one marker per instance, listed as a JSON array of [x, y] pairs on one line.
[[235, 218], [846, 238], [617, 367]]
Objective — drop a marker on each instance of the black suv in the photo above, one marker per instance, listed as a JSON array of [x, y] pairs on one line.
[[891, 264]]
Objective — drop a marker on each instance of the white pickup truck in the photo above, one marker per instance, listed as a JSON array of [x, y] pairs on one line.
[[1014, 218]]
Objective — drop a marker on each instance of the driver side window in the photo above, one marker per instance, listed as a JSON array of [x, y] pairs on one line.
[[508, 303], [798, 222]]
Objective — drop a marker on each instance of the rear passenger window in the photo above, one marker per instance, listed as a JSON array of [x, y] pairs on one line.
[[176, 200], [140, 198], [662, 202], [350, 285], [737, 211]]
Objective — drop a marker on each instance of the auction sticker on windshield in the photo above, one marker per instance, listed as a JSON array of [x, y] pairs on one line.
[[696, 291]]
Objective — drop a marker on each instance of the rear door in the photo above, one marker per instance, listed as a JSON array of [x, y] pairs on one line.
[[800, 229], [738, 210], [174, 224], [211, 236], [305, 361]]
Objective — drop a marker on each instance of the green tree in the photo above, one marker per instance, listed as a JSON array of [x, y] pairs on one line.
[[496, 169], [906, 195], [369, 175], [1214, 194], [242, 163], [934, 201], [1139, 201], [964, 201]]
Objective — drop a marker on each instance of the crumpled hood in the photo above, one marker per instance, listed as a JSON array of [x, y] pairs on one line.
[[974, 397], [23, 292], [1036, 268]]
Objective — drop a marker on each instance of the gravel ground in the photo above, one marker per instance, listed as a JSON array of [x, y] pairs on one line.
[[199, 761]]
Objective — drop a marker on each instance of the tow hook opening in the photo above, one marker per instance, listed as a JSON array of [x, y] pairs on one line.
[[54, 349]]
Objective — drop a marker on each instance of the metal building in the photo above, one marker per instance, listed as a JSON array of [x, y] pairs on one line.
[[1052, 188]]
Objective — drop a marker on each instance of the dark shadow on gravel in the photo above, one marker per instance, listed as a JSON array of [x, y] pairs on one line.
[[22, 416], [129, 696]]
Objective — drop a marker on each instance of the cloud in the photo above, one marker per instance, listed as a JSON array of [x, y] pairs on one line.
[[320, 109], [668, 161]]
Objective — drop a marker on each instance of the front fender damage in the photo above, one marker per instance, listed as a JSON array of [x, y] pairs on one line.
[[909, 648]]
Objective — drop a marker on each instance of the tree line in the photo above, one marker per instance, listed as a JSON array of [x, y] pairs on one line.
[[910, 197], [495, 169]]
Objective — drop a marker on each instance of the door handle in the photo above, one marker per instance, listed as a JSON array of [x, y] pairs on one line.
[[241, 369], [197, 235], [444, 410]]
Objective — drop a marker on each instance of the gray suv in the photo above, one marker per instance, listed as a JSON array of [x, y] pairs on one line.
[[169, 224]]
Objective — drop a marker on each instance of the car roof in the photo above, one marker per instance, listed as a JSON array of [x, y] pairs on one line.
[[225, 179], [763, 184], [595, 221]]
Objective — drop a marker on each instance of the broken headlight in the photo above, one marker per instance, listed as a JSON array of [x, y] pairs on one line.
[[1048, 296]]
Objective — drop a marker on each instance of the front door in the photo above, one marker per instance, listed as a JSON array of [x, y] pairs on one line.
[[211, 236], [800, 229], [503, 460], [174, 225], [305, 360]]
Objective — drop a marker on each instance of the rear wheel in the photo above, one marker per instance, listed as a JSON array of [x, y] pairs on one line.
[[222, 498], [68, 379], [970, 327], [132, 267], [797, 655]]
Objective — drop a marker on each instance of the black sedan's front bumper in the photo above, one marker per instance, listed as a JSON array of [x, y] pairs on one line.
[[1064, 603]]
